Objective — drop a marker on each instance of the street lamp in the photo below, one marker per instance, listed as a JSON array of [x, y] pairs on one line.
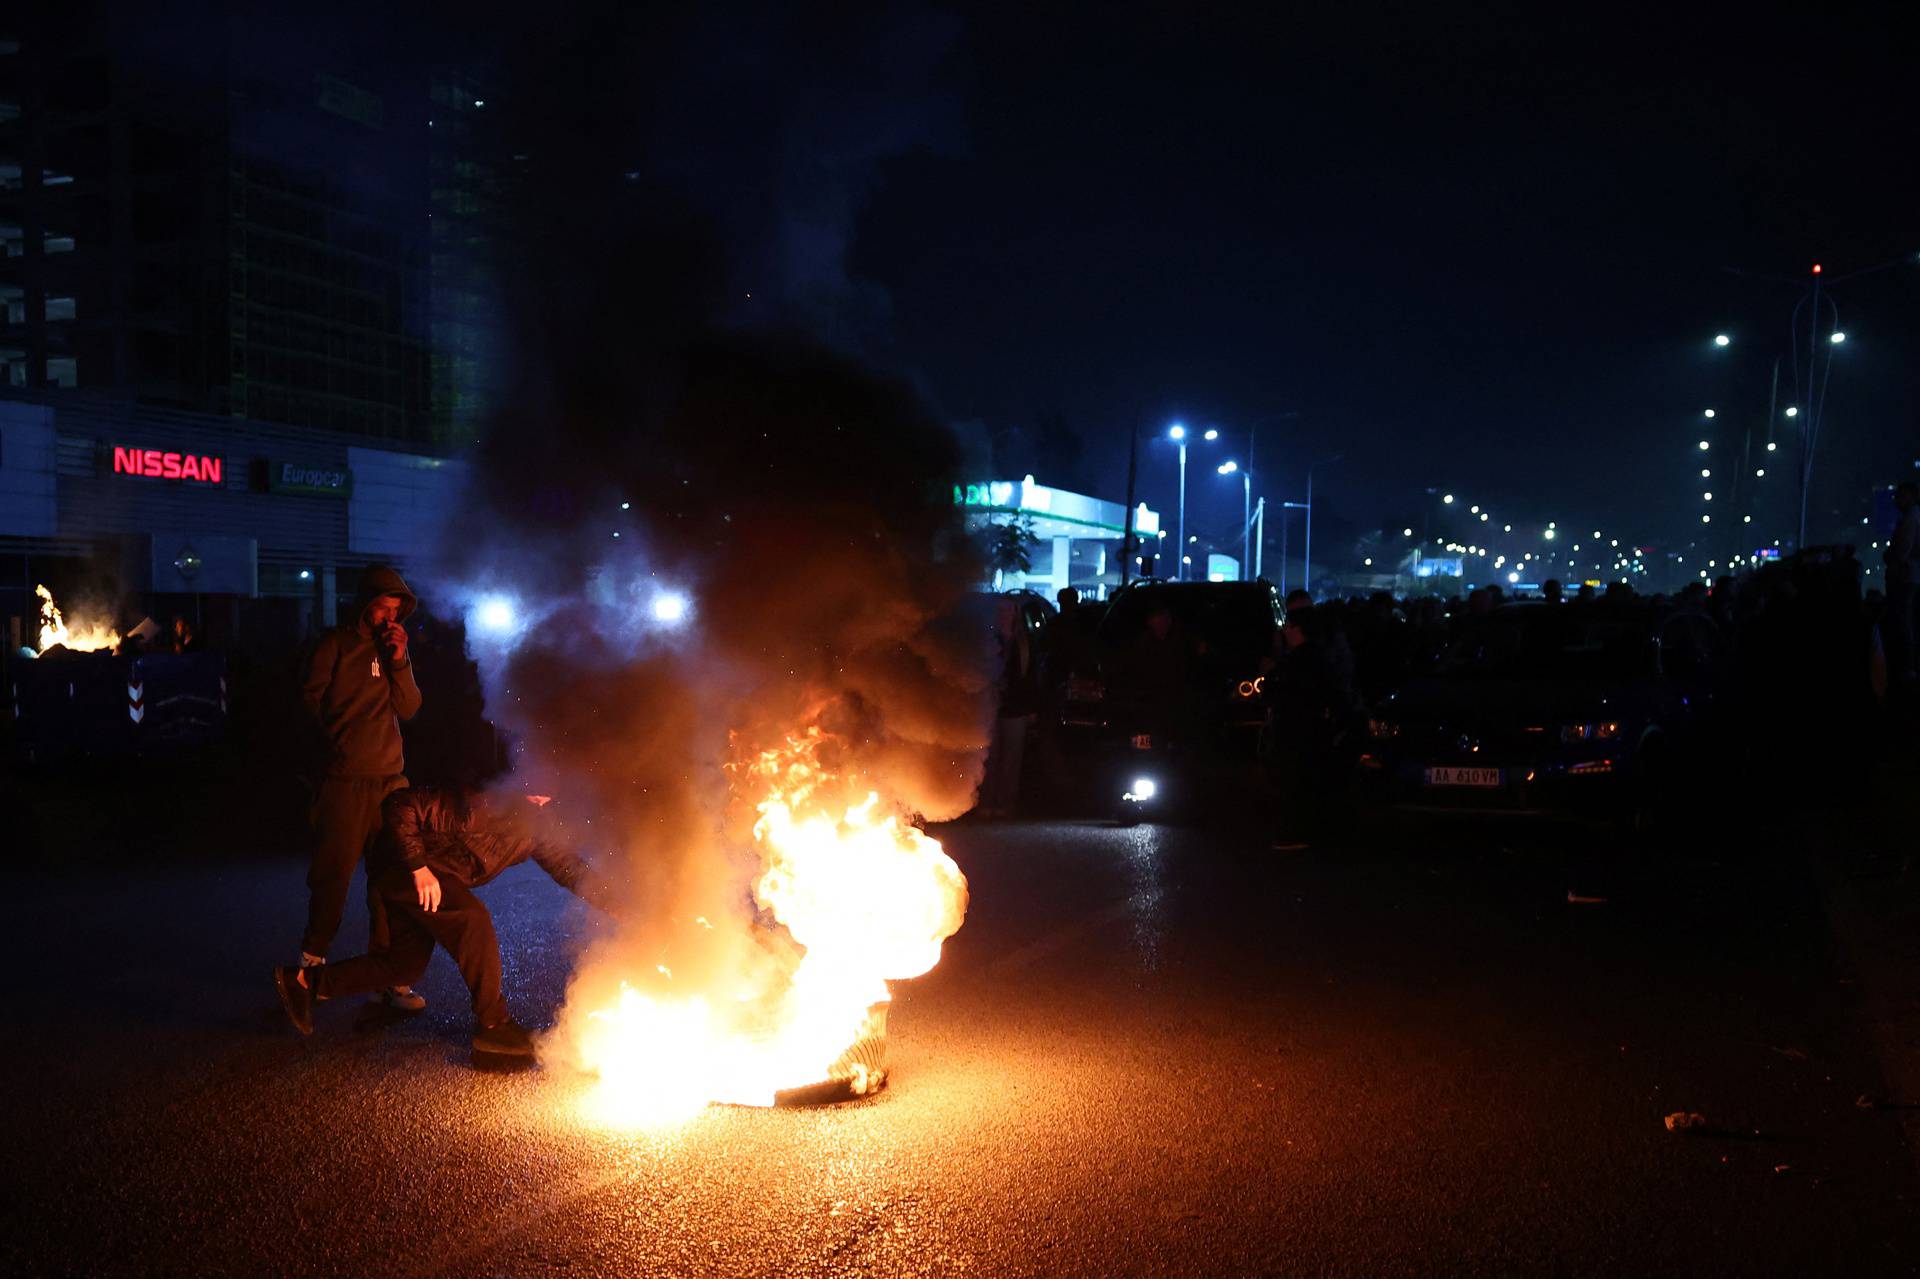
[[1306, 570], [1231, 467]]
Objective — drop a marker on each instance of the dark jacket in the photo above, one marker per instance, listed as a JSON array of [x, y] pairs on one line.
[[473, 839], [356, 697]]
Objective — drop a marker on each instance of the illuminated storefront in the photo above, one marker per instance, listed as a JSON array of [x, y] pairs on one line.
[[1067, 539]]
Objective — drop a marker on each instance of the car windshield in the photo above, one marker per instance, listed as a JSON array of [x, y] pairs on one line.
[[1550, 643], [1236, 619]]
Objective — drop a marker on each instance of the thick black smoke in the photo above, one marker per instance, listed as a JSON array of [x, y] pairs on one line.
[[664, 446]]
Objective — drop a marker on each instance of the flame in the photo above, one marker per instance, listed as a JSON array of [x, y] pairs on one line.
[[867, 897], [82, 637]]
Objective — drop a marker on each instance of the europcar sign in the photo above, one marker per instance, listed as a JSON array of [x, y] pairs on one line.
[[160, 464], [309, 478]]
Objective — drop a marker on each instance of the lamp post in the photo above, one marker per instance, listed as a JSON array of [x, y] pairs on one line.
[[1229, 467], [1306, 571], [1178, 434]]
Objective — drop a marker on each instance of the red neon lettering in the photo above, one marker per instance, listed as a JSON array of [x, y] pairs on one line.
[[167, 466]]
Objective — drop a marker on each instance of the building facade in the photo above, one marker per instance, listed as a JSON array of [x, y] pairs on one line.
[[254, 529], [240, 218]]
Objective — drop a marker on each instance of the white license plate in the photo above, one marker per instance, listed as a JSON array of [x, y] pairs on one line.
[[1463, 776]]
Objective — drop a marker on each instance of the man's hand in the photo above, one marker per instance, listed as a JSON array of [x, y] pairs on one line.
[[396, 638], [426, 885]]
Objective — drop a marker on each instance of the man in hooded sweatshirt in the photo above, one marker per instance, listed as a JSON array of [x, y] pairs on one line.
[[358, 688]]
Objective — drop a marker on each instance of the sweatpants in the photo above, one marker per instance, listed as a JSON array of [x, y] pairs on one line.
[[346, 816], [462, 926]]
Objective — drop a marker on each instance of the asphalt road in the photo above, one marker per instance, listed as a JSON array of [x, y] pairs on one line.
[[1150, 1051]]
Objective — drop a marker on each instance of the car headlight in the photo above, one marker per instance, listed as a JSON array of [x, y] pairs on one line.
[[1382, 729], [1604, 731], [1143, 789]]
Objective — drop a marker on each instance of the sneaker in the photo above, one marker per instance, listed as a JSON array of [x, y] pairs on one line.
[[296, 998], [401, 998], [504, 1039]]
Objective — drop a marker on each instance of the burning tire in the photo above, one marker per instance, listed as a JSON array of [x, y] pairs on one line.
[[860, 1071]]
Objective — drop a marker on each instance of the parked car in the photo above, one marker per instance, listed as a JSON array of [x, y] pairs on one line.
[[1550, 710], [1169, 708]]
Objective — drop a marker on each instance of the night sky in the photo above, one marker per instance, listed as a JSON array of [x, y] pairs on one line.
[[1477, 251]]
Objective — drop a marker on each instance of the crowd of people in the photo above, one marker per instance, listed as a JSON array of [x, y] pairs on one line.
[[1806, 664]]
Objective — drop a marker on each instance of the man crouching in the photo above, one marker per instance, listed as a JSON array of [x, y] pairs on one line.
[[434, 848]]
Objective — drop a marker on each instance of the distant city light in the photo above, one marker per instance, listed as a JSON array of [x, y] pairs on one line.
[[1705, 474], [1709, 412], [1506, 528], [1706, 519], [1473, 510], [1212, 434], [669, 606], [1448, 499], [626, 506], [306, 575], [1704, 446], [1721, 339], [1771, 446], [1483, 517], [1228, 467], [1176, 432], [1369, 561], [1793, 410], [1747, 519], [1837, 338], [1513, 577], [1406, 532], [1550, 535], [1707, 496], [1759, 471]]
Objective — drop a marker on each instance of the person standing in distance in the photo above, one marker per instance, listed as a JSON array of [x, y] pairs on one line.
[[358, 688]]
